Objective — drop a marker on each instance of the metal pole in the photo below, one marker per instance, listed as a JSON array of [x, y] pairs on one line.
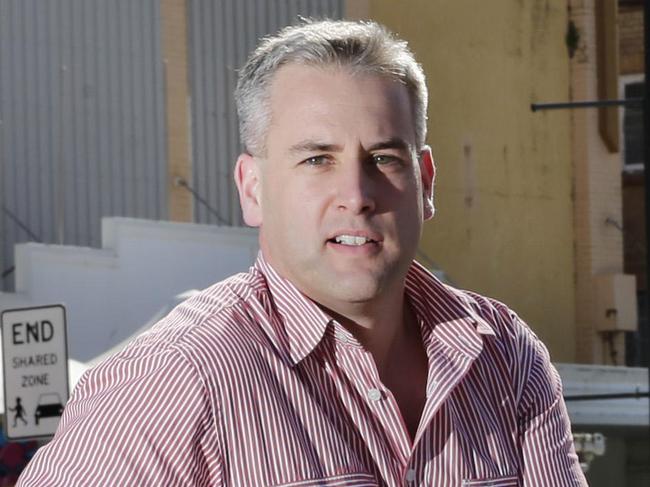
[[3, 234], [60, 163], [644, 332], [601, 397], [586, 104]]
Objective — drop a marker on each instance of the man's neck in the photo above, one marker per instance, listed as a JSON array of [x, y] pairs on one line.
[[381, 327]]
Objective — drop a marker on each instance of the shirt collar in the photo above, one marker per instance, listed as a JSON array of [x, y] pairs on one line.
[[452, 315], [305, 323]]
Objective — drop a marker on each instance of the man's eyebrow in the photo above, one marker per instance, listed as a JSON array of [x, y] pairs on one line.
[[313, 146], [392, 143], [317, 146]]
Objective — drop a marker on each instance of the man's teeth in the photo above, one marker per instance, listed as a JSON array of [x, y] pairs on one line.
[[351, 240]]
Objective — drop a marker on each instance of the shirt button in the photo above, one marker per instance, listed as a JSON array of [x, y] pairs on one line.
[[410, 475], [342, 337], [430, 388], [339, 336], [374, 395]]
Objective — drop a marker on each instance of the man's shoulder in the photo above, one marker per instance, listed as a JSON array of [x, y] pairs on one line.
[[511, 337], [215, 313], [501, 318], [514, 341], [510, 349], [442, 302]]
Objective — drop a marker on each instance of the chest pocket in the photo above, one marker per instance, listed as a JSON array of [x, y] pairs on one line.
[[348, 479], [493, 482]]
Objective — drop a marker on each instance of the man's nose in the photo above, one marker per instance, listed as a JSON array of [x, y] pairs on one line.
[[356, 188]]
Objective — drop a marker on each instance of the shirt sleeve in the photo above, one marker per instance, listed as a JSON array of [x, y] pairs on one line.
[[548, 452], [135, 420]]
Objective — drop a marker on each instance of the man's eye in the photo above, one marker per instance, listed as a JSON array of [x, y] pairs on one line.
[[384, 159], [316, 161]]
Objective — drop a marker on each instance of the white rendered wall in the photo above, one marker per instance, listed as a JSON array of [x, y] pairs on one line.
[[110, 293]]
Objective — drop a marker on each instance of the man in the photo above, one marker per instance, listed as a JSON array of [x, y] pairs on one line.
[[336, 360]]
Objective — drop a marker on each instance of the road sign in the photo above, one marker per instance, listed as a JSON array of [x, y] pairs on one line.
[[35, 365]]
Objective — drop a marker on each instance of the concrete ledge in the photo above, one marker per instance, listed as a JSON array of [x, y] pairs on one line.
[[580, 379]]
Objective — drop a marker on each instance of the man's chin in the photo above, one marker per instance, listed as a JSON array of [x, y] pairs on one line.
[[356, 289]]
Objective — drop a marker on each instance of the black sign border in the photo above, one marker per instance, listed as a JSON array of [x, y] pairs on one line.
[[4, 382]]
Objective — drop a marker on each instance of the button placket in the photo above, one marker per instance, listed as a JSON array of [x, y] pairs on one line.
[[358, 366]]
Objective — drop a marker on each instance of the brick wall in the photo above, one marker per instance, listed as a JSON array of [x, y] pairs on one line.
[[630, 32], [597, 193]]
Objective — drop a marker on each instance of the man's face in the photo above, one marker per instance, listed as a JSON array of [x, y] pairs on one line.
[[340, 196]]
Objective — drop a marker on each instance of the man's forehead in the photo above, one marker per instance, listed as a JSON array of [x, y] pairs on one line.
[[292, 70], [317, 102]]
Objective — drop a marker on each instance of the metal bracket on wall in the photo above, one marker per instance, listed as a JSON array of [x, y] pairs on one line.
[[586, 104]]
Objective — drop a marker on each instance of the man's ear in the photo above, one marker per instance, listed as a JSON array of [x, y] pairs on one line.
[[428, 175], [248, 181]]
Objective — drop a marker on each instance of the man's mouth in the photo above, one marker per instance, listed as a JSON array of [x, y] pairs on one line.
[[352, 240]]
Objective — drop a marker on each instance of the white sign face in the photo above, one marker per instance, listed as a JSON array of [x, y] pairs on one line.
[[35, 364]]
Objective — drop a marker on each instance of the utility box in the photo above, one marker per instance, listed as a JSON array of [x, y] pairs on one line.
[[615, 304]]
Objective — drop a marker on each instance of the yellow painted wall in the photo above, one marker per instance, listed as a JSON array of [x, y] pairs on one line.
[[504, 222]]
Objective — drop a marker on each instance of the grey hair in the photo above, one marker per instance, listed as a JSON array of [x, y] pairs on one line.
[[362, 47]]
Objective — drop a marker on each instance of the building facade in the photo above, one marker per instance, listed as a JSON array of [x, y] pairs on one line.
[[120, 108]]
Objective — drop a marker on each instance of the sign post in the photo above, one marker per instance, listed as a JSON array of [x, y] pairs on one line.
[[35, 365]]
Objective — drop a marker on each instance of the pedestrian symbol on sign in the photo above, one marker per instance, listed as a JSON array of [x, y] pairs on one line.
[[19, 412]]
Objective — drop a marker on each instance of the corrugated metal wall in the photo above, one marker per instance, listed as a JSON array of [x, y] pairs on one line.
[[222, 33], [82, 130]]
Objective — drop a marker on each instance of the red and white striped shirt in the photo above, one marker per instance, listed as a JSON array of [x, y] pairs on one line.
[[249, 383]]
